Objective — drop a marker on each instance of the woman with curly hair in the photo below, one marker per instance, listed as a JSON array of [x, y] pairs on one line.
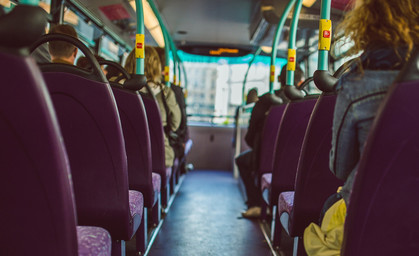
[[385, 32], [153, 72]]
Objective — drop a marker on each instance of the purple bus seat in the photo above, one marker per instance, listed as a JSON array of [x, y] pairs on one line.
[[157, 146], [188, 146], [314, 182], [382, 215], [266, 182], [93, 241], [92, 133], [137, 145], [37, 215], [290, 137], [269, 138], [267, 148], [285, 202]]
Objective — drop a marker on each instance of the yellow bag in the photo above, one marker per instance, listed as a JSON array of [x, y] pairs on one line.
[[327, 239]]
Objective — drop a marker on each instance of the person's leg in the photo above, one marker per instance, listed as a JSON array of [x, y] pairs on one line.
[[245, 165]]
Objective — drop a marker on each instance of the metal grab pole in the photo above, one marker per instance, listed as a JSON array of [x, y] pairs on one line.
[[275, 43], [139, 39], [325, 35], [166, 41], [29, 2], [247, 73], [292, 56]]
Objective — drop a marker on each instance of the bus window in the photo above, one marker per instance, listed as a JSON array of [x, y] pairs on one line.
[[215, 85]]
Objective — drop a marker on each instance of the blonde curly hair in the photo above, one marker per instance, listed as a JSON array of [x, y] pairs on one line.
[[387, 23], [152, 66]]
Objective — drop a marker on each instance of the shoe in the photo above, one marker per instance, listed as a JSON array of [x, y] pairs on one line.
[[252, 212]]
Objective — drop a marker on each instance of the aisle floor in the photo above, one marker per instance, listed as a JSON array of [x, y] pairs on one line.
[[205, 219]]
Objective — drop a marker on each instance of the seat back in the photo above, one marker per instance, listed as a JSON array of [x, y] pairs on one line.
[[137, 141], [314, 182], [382, 216], [156, 138], [290, 138], [92, 133], [37, 215], [269, 138]]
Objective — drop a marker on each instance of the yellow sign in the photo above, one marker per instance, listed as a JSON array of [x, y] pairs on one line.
[[325, 34], [223, 50], [139, 46], [166, 73], [272, 76], [174, 79], [292, 55]]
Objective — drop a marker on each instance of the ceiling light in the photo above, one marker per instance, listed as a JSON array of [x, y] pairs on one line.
[[308, 3]]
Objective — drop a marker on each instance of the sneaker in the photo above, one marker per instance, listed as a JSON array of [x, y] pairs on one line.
[[252, 212]]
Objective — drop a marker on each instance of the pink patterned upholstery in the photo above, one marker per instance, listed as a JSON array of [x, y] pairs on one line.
[[156, 179], [93, 241], [266, 181], [136, 203], [286, 202]]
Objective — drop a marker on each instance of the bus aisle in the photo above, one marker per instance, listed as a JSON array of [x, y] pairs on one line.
[[204, 219]]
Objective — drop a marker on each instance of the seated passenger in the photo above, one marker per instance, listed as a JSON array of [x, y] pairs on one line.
[[84, 63], [298, 76], [252, 96], [162, 93], [182, 132], [248, 161], [62, 52], [386, 32]]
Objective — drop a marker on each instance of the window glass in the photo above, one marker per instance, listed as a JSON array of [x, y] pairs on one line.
[[215, 85]]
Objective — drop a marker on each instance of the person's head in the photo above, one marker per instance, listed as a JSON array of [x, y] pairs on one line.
[[382, 23], [162, 56], [152, 66], [298, 76], [62, 50], [252, 96], [84, 63]]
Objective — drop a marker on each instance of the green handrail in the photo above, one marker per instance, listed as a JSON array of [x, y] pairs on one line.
[[325, 34], [247, 73], [139, 39], [291, 46], [29, 2], [166, 37], [275, 43]]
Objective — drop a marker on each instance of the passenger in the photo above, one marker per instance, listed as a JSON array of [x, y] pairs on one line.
[[161, 92], [298, 76], [63, 52], [385, 31], [248, 161], [182, 132], [84, 63], [252, 96]]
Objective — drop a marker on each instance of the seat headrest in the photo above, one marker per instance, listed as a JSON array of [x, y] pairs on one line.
[[136, 82], [293, 93], [324, 80], [22, 26]]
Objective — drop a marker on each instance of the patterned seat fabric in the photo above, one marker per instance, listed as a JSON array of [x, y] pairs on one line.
[[286, 202], [93, 241], [266, 181], [136, 203], [156, 182]]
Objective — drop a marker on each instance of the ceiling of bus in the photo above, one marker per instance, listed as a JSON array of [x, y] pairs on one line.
[[214, 22], [208, 21]]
